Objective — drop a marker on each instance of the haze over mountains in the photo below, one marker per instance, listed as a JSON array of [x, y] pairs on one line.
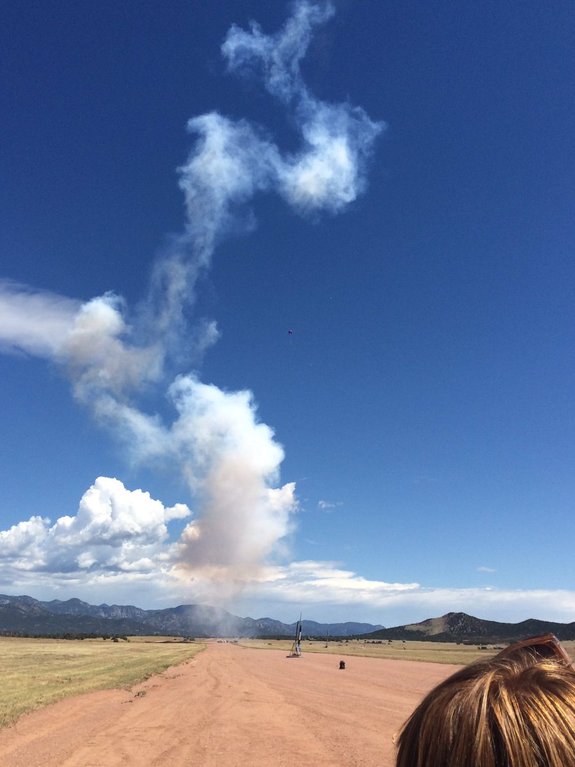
[[26, 615]]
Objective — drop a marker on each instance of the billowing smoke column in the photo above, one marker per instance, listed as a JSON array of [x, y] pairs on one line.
[[230, 460]]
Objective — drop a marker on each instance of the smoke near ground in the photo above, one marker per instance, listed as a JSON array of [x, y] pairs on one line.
[[113, 353]]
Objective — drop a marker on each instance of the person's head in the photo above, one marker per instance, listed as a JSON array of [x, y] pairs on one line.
[[516, 709]]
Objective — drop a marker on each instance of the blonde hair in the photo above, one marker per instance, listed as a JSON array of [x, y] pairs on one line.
[[503, 712]]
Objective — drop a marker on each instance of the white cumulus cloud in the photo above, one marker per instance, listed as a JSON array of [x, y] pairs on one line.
[[114, 529]]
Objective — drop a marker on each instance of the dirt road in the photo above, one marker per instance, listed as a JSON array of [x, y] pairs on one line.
[[232, 707]]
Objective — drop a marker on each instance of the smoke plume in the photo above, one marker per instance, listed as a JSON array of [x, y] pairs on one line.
[[229, 459]]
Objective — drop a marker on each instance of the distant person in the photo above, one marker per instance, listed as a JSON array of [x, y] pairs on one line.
[[516, 709]]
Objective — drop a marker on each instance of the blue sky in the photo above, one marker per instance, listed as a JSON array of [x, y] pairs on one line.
[[392, 182]]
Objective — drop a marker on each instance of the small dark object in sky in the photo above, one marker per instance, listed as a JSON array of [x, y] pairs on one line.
[[290, 332]]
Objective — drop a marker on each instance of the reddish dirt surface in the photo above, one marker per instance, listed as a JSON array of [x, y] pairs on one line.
[[232, 707]]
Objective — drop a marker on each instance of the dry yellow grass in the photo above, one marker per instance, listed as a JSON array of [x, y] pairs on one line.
[[36, 672], [433, 652]]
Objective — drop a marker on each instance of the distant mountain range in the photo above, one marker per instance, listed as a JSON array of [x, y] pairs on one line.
[[25, 615], [460, 627]]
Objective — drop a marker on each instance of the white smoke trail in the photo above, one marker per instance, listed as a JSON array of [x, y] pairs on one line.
[[230, 460], [35, 322], [329, 171], [276, 58]]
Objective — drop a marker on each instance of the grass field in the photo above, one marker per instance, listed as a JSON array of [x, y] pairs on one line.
[[433, 652], [35, 672]]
